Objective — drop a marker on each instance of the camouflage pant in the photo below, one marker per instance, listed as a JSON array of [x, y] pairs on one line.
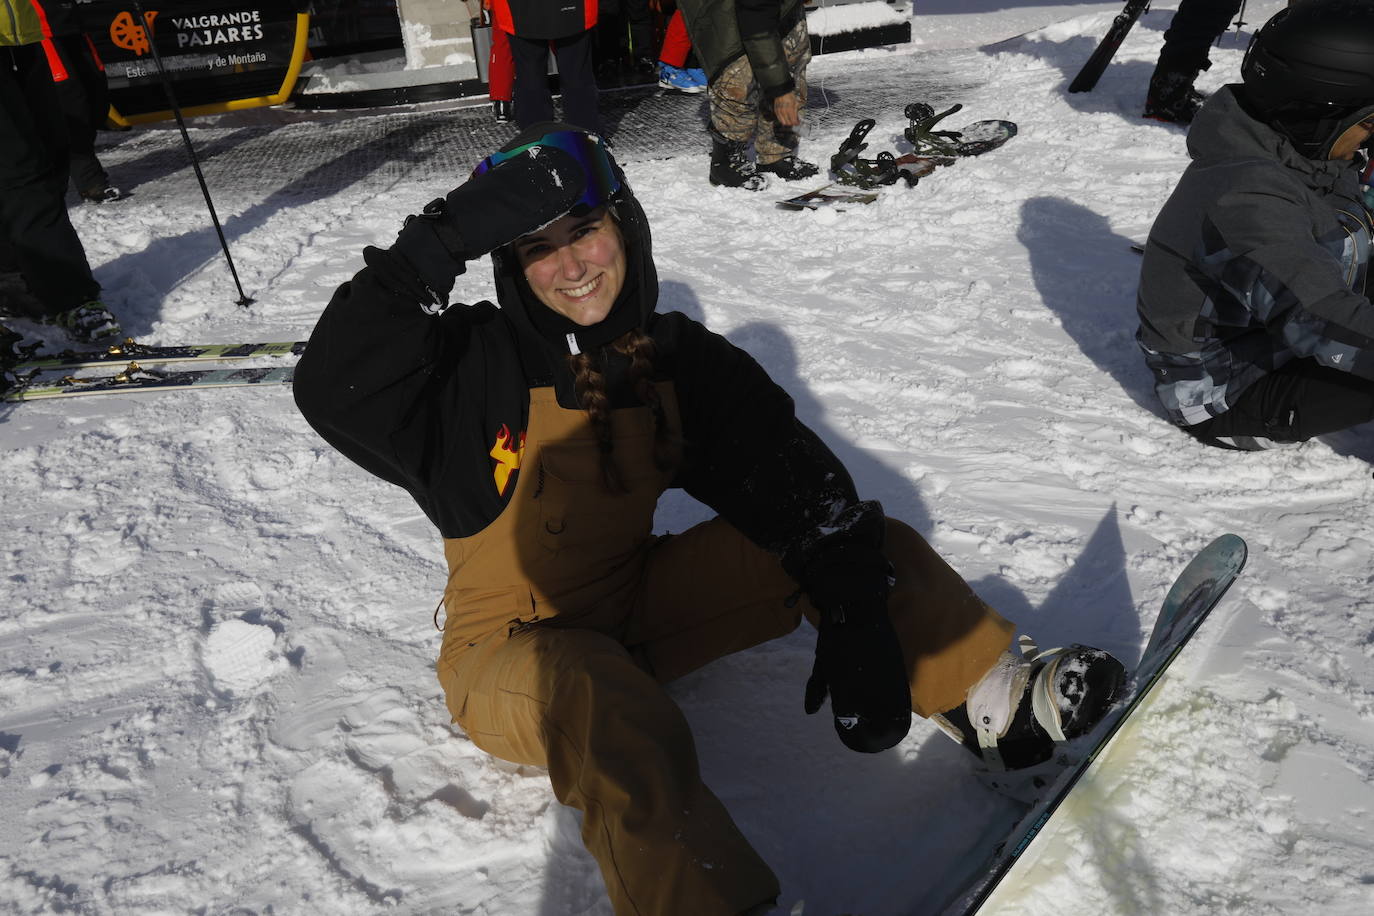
[[740, 113]]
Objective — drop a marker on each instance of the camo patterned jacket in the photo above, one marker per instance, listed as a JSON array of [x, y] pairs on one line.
[[1258, 257]]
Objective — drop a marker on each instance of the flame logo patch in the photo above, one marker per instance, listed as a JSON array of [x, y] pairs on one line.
[[508, 453]]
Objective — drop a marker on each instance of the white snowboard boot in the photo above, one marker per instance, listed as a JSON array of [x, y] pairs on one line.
[[1029, 701]]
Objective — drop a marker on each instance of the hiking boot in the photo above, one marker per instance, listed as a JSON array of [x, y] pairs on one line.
[[790, 168], [502, 110], [1030, 701], [731, 166], [678, 79], [1171, 97], [89, 322]]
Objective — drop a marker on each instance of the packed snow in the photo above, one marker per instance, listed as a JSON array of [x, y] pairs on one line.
[[217, 692]]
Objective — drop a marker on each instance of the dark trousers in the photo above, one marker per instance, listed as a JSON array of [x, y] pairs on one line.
[[1299, 401], [624, 28], [85, 100], [1191, 32], [534, 102], [34, 228]]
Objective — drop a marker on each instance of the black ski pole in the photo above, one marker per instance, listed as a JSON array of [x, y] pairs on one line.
[[190, 150]]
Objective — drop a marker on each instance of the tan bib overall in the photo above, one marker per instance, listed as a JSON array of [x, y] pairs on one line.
[[565, 616]]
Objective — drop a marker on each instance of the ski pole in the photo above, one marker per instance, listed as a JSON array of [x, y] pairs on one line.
[[244, 300]]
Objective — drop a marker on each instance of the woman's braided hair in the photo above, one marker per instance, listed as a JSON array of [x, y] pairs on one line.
[[591, 394]]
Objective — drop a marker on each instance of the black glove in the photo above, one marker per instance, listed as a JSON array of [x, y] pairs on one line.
[[516, 197], [858, 658]]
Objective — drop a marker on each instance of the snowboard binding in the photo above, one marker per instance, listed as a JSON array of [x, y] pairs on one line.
[[851, 169], [921, 134]]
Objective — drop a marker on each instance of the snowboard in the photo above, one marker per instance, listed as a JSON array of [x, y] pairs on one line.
[[931, 149], [1191, 598], [1092, 70], [129, 350], [137, 380]]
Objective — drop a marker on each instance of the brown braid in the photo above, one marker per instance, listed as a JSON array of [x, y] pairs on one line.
[[641, 349], [591, 394]]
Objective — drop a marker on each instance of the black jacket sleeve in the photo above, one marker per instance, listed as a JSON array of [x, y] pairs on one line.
[[749, 458], [759, 24], [368, 377]]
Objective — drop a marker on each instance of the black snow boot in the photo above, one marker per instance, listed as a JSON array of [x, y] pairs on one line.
[[1171, 97], [731, 166], [9, 355], [790, 168]]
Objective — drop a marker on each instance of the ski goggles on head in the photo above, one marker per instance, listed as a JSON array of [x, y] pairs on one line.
[[587, 149]]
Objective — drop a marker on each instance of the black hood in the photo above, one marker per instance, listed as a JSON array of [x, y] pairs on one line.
[[637, 298]]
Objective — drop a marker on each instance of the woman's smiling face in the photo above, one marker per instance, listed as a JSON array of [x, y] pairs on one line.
[[575, 265]]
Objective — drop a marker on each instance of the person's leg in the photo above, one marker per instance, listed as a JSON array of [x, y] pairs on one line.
[[1193, 29], [619, 750], [1293, 404], [533, 101], [33, 179], [79, 77], [676, 43], [641, 34], [709, 592], [734, 103], [775, 141], [578, 81], [610, 38], [1171, 96], [501, 76]]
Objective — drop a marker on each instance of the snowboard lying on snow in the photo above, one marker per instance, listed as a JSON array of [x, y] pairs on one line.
[[1001, 871], [858, 180]]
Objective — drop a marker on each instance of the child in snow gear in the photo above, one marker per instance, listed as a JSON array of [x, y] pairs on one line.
[[539, 436], [755, 54], [1254, 313], [1192, 30]]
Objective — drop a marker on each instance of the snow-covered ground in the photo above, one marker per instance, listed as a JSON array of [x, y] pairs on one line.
[[216, 649]]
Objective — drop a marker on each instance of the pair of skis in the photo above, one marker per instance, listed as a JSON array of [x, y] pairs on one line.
[[147, 368]]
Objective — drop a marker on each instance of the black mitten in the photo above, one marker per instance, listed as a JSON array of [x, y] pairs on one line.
[[518, 196], [858, 658]]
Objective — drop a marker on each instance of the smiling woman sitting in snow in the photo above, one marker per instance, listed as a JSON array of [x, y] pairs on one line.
[[539, 436]]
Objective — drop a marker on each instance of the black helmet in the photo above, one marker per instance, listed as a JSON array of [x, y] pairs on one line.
[[1310, 71]]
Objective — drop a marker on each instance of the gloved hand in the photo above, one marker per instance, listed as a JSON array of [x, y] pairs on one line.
[[858, 658], [518, 196]]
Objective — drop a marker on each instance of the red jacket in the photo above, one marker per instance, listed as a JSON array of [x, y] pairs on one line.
[[543, 18]]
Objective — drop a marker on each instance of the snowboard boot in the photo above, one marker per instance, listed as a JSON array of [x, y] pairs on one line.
[[102, 194], [89, 322], [731, 166], [1028, 702], [1171, 97], [790, 168], [502, 111]]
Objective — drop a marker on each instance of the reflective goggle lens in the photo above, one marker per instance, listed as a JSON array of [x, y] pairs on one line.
[[587, 149]]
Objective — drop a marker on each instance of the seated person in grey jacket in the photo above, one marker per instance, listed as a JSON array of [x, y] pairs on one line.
[[1254, 315]]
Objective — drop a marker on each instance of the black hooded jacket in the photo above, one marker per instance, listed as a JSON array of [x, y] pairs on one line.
[[422, 399]]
